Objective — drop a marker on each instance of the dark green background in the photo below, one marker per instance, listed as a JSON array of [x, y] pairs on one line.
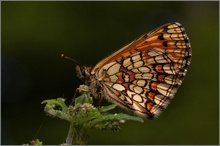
[[34, 34]]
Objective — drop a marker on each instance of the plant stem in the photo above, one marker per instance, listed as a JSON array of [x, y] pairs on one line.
[[77, 135], [71, 133]]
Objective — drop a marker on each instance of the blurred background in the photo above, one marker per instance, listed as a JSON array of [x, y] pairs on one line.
[[34, 34]]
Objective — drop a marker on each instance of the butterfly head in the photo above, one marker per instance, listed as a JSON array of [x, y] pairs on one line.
[[83, 72]]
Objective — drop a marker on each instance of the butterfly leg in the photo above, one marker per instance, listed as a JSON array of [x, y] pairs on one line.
[[74, 96], [100, 101]]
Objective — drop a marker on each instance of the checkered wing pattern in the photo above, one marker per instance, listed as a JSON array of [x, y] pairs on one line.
[[144, 75]]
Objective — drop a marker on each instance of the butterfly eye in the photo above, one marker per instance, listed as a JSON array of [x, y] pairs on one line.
[[87, 72], [82, 72]]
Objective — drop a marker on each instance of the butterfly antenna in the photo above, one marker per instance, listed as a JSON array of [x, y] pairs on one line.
[[69, 58]]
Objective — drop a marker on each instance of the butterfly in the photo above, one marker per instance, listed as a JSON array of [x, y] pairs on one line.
[[144, 75]]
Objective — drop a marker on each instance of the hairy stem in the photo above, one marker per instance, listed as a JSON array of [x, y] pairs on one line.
[[77, 135]]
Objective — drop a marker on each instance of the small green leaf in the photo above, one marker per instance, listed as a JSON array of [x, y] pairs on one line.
[[122, 116], [59, 101], [107, 108]]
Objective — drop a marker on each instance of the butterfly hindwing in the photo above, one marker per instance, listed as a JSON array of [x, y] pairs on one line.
[[144, 75]]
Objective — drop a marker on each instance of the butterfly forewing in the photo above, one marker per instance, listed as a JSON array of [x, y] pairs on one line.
[[144, 75]]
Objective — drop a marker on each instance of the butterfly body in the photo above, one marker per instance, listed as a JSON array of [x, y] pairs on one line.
[[144, 75]]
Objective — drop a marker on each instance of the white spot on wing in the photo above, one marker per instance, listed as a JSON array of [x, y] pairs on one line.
[[130, 94], [144, 69], [118, 87], [136, 58], [108, 65], [126, 77], [113, 69], [137, 98], [164, 89], [138, 89], [167, 68], [147, 76], [126, 62], [141, 82], [169, 79], [138, 64], [161, 59], [113, 78]]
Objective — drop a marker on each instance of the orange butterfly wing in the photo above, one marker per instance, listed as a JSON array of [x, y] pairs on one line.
[[144, 75]]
